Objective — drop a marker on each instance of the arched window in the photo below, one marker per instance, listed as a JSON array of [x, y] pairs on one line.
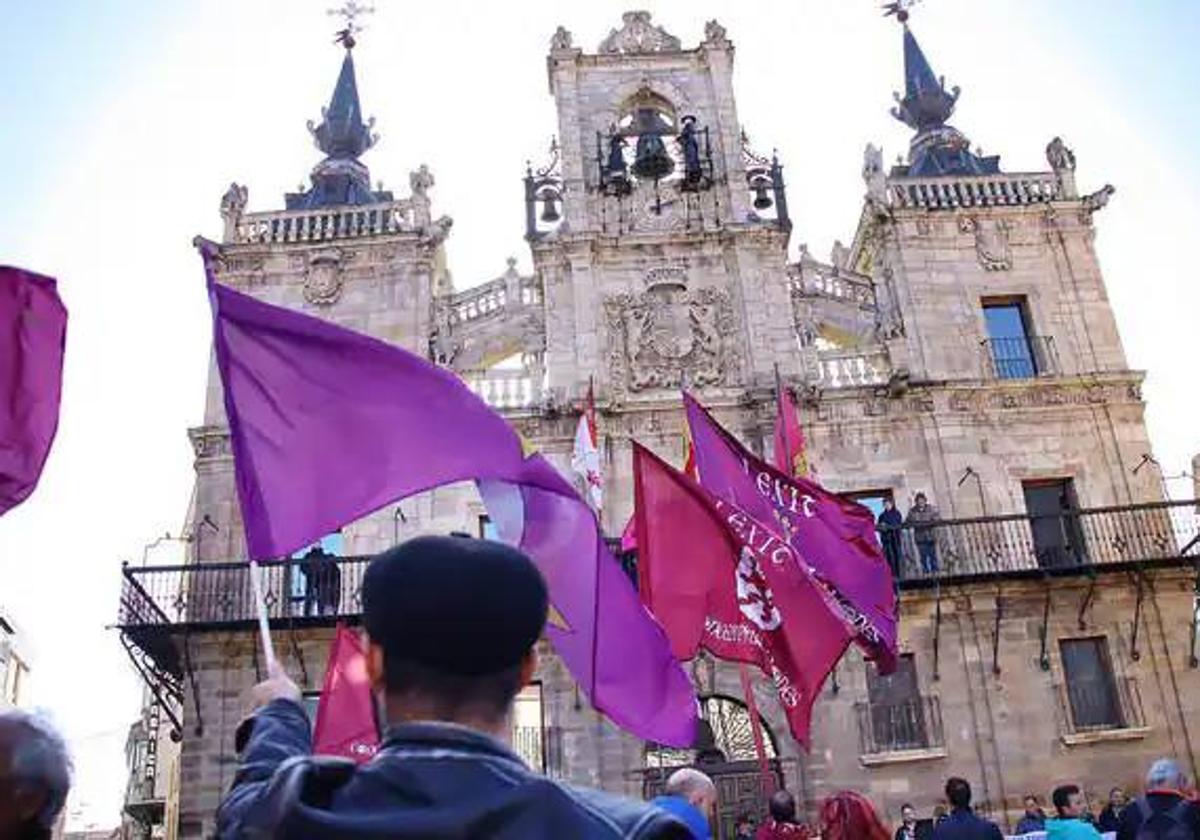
[[725, 729]]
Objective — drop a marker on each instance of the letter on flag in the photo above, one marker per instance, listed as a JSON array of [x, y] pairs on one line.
[[718, 579], [345, 723], [33, 329], [586, 459], [835, 536], [328, 425]]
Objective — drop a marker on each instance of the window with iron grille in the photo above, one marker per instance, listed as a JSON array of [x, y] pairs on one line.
[[1093, 700], [896, 716], [1014, 349]]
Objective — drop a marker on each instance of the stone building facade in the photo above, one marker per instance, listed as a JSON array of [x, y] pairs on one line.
[[962, 346]]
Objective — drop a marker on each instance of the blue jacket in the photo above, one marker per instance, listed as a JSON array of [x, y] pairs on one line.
[[1072, 829], [962, 824], [686, 813], [429, 780]]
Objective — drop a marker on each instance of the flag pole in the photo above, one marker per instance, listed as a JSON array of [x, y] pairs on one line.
[[760, 748], [264, 626]]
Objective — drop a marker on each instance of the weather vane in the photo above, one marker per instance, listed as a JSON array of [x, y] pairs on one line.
[[350, 10], [899, 8]]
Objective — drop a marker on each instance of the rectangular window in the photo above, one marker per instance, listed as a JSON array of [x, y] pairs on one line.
[[897, 710], [872, 500], [487, 528], [1091, 687], [528, 727], [1010, 339], [1057, 534]]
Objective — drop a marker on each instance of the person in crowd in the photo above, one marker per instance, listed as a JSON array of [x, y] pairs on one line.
[[1069, 822], [963, 823], [691, 797], [922, 516], [908, 823], [1163, 812], [781, 824], [889, 523], [940, 813], [35, 776], [1110, 817], [850, 816], [1034, 818], [445, 690], [744, 826]]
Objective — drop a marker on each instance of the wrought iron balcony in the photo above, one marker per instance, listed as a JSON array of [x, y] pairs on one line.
[[1020, 545], [1024, 357], [902, 726]]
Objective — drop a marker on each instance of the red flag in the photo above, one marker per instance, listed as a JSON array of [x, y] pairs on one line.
[[791, 456], [33, 328], [629, 541], [717, 579], [346, 716]]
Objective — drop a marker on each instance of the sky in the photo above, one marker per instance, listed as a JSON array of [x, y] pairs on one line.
[[122, 123]]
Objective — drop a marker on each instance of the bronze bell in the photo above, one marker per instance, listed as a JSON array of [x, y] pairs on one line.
[[761, 200], [550, 212], [651, 159]]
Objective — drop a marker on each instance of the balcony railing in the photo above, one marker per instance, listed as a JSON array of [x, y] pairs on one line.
[[914, 724], [954, 191], [1024, 357], [1099, 706], [854, 368], [327, 223], [539, 747], [1023, 545]]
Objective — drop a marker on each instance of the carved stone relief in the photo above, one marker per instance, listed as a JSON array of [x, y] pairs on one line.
[[638, 35], [323, 280], [992, 245]]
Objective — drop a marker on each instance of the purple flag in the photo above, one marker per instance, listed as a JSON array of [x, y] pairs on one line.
[[836, 536], [33, 331], [328, 425]]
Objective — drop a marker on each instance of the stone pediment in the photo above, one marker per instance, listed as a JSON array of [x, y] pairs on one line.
[[638, 35]]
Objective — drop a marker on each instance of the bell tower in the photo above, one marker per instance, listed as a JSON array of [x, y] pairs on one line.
[[660, 238]]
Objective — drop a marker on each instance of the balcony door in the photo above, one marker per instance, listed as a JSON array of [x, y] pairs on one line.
[[897, 712], [1057, 536], [1010, 339]]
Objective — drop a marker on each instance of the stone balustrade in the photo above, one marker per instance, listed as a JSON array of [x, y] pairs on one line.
[[809, 278], [324, 224], [492, 297], [958, 191], [501, 388], [852, 368]]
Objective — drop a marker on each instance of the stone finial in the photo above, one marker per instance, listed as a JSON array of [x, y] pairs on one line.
[[638, 35], [715, 35], [873, 174], [561, 39], [839, 255], [233, 204], [420, 181]]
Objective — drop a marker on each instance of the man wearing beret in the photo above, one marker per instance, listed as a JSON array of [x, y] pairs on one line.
[[451, 626]]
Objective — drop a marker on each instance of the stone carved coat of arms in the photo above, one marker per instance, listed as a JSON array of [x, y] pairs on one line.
[[657, 335]]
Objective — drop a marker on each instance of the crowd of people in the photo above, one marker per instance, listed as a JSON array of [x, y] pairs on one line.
[[446, 692]]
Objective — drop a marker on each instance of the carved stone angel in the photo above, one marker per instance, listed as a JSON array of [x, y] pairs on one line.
[[561, 39], [233, 204]]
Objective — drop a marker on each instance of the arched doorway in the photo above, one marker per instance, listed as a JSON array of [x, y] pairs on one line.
[[725, 751]]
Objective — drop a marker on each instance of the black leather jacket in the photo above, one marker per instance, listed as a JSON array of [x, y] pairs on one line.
[[429, 781]]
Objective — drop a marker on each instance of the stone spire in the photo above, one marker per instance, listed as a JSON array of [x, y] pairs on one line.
[[341, 178], [937, 148]]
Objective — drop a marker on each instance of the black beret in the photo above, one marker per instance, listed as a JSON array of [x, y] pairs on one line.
[[454, 604]]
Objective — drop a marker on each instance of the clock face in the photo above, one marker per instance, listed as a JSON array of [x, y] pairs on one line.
[[656, 213]]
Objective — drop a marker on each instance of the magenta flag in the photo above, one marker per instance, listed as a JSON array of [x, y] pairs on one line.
[[33, 332], [328, 425], [721, 580], [345, 724], [835, 536]]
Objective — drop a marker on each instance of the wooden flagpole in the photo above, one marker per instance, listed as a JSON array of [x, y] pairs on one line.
[[264, 625], [760, 747]]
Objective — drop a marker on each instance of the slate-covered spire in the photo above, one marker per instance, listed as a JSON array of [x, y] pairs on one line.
[[342, 135], [937, 148]]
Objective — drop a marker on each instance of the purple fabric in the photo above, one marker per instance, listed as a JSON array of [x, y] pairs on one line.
[[328, 425], [835, 536], [33, 331]]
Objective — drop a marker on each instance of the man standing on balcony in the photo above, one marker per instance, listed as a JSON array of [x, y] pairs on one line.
[[889, 523], [922, 517], [452, 624]]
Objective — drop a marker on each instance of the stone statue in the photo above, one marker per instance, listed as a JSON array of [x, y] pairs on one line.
[[420, 180], [714, 35], [233, 204], [616, 155], [561, 39], [1060, 158], [839, 255], [690, 146], [873, 175]]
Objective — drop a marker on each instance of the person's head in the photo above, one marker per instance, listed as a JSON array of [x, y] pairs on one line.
[[908, 814], [939, 811], [958, 791], [1032, 806], [850, 816], [919, 500], [35, 775], [888, 504], [695, 788], [782, 807], [745, 823], [1116, 797], [451, 624], [1166, 774], [1068, 801]]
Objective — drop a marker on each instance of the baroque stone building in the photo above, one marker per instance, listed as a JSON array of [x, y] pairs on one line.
[[961, 346]]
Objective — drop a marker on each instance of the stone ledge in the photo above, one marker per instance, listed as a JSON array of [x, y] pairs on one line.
[[902, 756], [1133, 733]]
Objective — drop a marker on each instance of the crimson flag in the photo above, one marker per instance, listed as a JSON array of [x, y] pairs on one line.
[[720, 580], [346, 714], [791, 455]]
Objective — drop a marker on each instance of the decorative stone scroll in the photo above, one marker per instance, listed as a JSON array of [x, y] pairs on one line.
[[638, 35], [655, 336]]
